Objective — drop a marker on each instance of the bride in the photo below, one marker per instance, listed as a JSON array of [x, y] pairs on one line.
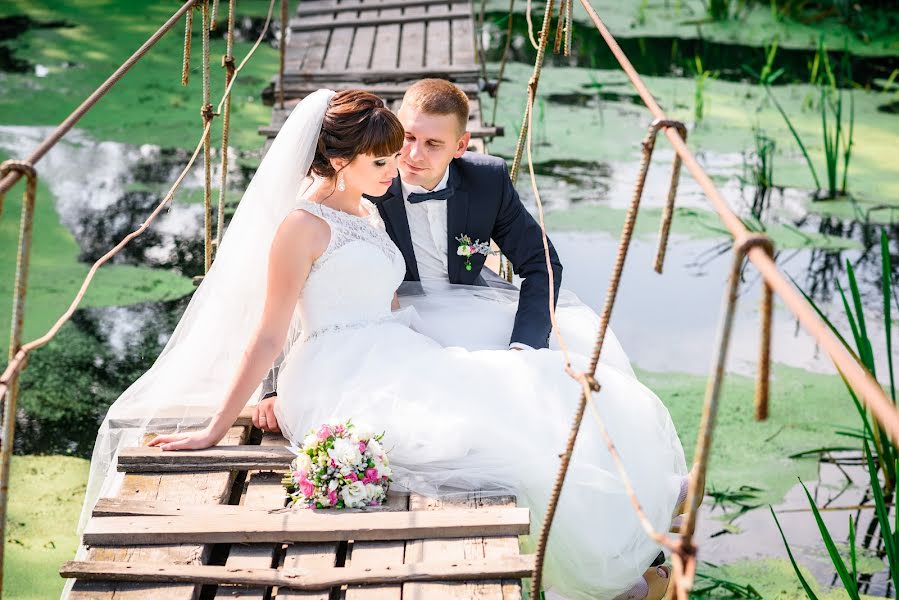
[[306, 268]]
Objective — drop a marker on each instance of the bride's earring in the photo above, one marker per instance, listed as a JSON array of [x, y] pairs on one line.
[[341, 184]]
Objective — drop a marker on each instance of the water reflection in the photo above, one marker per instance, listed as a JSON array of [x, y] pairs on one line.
[[104, 190], [70, 383]]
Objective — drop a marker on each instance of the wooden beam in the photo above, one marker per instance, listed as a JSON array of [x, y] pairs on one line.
[[174, 417], [304, 25], [116, 507], [308, 10], [386, 91], [220, 458], [250, 526], [466, 73], [303, 579]]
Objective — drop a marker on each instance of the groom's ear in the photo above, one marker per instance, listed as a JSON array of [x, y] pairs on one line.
[[462, 145]]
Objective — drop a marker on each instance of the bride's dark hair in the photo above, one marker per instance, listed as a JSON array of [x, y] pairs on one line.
[[356, 122]]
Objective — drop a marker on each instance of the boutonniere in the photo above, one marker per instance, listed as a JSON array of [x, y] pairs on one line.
[[467, 248]]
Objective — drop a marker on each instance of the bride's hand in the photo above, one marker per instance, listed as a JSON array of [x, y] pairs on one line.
[[192, 440]]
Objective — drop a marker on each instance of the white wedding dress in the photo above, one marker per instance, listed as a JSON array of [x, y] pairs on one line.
[[490, 420], [461, 412]]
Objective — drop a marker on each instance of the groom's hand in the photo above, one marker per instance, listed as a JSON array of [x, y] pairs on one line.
[[264, 415]]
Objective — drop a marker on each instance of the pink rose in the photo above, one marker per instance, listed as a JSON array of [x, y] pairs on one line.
[[352, 477], [306, 487], [324, 433], [371, 476], [362, 447], [332, 498]]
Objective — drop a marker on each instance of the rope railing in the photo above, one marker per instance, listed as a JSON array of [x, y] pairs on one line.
[[757, 248], [11, 171]]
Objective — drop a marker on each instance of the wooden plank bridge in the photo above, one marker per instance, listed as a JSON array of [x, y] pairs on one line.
[[211, 523]]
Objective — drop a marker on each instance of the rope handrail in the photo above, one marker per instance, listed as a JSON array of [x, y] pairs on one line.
[[862, 382]]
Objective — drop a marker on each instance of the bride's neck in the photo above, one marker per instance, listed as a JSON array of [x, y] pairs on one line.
[[348, 200]]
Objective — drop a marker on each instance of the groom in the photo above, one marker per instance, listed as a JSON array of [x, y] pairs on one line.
[[444, 193]]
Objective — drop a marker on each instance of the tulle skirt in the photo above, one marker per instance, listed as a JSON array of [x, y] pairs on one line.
[[462, 412]]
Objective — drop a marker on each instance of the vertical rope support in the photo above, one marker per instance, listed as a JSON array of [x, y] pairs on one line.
[[532, 90], [20, 288], [684, 561], [207, 113], [569, 24], [560, 22], [188, 30], [282, 51], [764, 376], [668, 211], [228, 64], [213, 19]]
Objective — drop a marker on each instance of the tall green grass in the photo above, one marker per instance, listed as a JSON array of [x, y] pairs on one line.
[[882, 491], [837, 119]]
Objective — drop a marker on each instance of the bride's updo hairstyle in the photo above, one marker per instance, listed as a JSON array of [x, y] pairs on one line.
[[356, 122]]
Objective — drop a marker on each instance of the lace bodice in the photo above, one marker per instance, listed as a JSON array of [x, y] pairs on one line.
[[352, 283]]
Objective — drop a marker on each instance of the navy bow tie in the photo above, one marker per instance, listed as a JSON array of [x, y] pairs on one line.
[[443, 194]]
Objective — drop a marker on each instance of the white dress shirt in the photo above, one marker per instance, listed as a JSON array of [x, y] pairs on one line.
[[427, 226]]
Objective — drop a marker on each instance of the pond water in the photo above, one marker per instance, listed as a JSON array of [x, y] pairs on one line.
[[667, 323]]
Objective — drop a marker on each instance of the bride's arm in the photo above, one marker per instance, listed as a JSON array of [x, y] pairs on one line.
[[297, 243]]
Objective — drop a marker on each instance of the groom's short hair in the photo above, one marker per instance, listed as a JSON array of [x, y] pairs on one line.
[[438, 97]]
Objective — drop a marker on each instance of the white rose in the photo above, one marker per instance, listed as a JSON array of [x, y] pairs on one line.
[[332, 485], [363, 434], [310, 441], [345, 452], [375, 448], [353, 494], [373, 492], [304, 463]]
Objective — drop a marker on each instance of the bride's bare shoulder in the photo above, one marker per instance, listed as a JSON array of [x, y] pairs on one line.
[[301, 229]]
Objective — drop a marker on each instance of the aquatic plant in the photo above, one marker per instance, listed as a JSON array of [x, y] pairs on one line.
[[837, 137], [722, 10], [707, 585], [887, 456], [758, 171], [702, 74]]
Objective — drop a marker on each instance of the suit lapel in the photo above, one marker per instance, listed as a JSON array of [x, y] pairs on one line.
[[393, 211], [456, 223]]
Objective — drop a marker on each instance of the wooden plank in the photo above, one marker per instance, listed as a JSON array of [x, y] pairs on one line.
[[189, 489], [465, 73], [303, 579], [412, 36], [293, 92], [114, 507], [363, 46], [386, 53], [173, 417], [342, 27], [461, 549], [438, 47], [414, 15], [324, 8], [304, 526], [317, 557], [378, 554], [220, 458], [462, 35], [263, 490]]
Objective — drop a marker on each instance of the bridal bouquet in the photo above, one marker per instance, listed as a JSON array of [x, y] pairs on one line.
[[338, 466]]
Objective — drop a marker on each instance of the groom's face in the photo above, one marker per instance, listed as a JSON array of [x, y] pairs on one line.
[[431, 142]]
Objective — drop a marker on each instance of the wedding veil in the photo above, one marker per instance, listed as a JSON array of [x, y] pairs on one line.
[[192, 374]]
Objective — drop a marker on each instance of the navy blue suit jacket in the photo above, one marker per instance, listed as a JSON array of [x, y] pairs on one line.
[[485, 206]]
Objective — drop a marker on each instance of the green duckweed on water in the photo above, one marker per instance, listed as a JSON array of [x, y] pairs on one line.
[[44, 504]]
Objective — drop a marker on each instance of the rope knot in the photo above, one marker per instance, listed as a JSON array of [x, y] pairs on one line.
[[228, 64], [747, 241], [207, 112], [18, 166]]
